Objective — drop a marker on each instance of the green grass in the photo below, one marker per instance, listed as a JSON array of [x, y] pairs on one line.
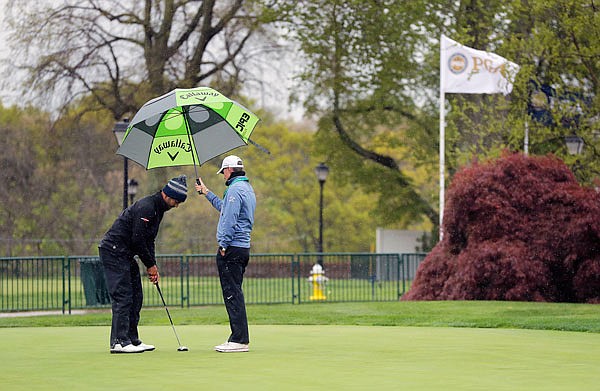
[[317, 346], [474, 314], [292, 358]]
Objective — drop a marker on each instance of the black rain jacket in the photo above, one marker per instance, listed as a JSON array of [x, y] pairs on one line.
[[134, 231]]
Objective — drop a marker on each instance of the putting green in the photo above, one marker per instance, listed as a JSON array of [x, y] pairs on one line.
[[303, 358]]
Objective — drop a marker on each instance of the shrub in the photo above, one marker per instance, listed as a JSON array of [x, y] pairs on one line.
[[517, 228]]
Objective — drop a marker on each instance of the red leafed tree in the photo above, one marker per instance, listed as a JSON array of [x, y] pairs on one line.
[[517, 228]]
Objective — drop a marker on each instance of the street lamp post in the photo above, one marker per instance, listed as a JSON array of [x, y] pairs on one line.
[[321, 171], [119, 131]]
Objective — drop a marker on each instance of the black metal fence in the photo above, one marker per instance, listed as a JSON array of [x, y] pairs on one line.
[[77, 282]]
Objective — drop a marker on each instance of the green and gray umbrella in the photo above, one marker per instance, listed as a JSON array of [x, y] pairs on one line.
[[185, 127]]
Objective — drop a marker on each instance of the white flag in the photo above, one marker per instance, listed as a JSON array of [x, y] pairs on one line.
[[470, 71]]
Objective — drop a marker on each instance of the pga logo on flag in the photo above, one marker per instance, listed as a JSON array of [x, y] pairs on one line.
[[470, 71]]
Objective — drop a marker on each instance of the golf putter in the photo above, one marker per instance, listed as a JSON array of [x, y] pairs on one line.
[[180, 348]]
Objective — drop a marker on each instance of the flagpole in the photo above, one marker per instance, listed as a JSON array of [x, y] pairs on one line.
[[468, 71], [526, 139], [442, 146], [442, 163]]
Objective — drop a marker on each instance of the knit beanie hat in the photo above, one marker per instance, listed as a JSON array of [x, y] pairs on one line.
[[176, 188]]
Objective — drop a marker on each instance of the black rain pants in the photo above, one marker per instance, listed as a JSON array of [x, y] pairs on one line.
[[125, 289], [231, 273]]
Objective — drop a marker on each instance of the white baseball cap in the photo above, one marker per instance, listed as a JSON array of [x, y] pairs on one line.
[[230, 161]]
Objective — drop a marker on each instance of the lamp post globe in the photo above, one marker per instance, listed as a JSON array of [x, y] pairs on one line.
[[574, 144], [132, 188]]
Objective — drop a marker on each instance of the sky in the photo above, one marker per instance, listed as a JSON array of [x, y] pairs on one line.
[[3, 51]]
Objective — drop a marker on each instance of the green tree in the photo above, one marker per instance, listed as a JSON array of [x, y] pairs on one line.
[[287, 191], [372, 75], [554, 42], [111, 57], [55, 176], [123, 53], [551, 41], [545, 38], [63, 183], [20, 148], [369, 74]]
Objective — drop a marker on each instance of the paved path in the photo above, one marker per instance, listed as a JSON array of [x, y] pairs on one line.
[[38, 313]]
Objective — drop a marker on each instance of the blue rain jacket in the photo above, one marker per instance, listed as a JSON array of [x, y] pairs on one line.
[[237, 213]]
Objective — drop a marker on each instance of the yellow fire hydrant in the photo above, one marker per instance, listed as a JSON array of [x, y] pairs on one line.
[[318, 280]]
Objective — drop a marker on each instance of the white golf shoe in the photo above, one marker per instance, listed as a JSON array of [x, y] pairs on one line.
[[131, 348], [146, 347], [231, 347], [140, 344]]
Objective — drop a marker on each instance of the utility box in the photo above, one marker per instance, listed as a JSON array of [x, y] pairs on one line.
[[94, 282], [402, 242]]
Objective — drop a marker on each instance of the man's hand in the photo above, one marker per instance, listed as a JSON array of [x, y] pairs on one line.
[[200, 188], [153, 274]]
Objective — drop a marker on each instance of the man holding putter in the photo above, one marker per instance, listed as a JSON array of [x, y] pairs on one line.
[[133, 233]]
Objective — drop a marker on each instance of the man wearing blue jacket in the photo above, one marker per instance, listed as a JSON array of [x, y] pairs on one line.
[[233, 236]]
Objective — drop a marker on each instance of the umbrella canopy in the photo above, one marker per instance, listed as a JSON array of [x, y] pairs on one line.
[[185, 127]]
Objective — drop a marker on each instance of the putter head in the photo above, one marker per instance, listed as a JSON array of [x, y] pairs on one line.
[[182, 349]]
